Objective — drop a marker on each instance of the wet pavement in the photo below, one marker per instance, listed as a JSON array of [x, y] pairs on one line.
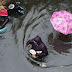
[[36, 21]]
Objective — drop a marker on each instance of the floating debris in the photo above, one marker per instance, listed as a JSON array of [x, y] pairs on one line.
[[43, 65], [61, 66]]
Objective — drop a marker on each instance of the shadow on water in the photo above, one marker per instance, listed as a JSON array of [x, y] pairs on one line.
[[60, 43], [36, 21]]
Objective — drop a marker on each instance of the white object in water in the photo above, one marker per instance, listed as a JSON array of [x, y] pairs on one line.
[[17, 2], [43, 65], [11, 6], [33, 52], [38, 52]]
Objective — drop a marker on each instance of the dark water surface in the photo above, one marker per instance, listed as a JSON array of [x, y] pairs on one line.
[[36, 21]]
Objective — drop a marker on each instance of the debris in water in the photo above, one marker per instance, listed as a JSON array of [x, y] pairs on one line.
[[43, 65], [61, 66]]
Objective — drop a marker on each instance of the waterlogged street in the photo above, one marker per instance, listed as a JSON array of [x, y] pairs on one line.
[[36, 21]]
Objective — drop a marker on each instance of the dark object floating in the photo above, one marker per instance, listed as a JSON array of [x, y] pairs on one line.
[[15, 8]]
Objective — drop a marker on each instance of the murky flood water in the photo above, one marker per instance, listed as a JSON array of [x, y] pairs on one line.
[[36, 21]]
